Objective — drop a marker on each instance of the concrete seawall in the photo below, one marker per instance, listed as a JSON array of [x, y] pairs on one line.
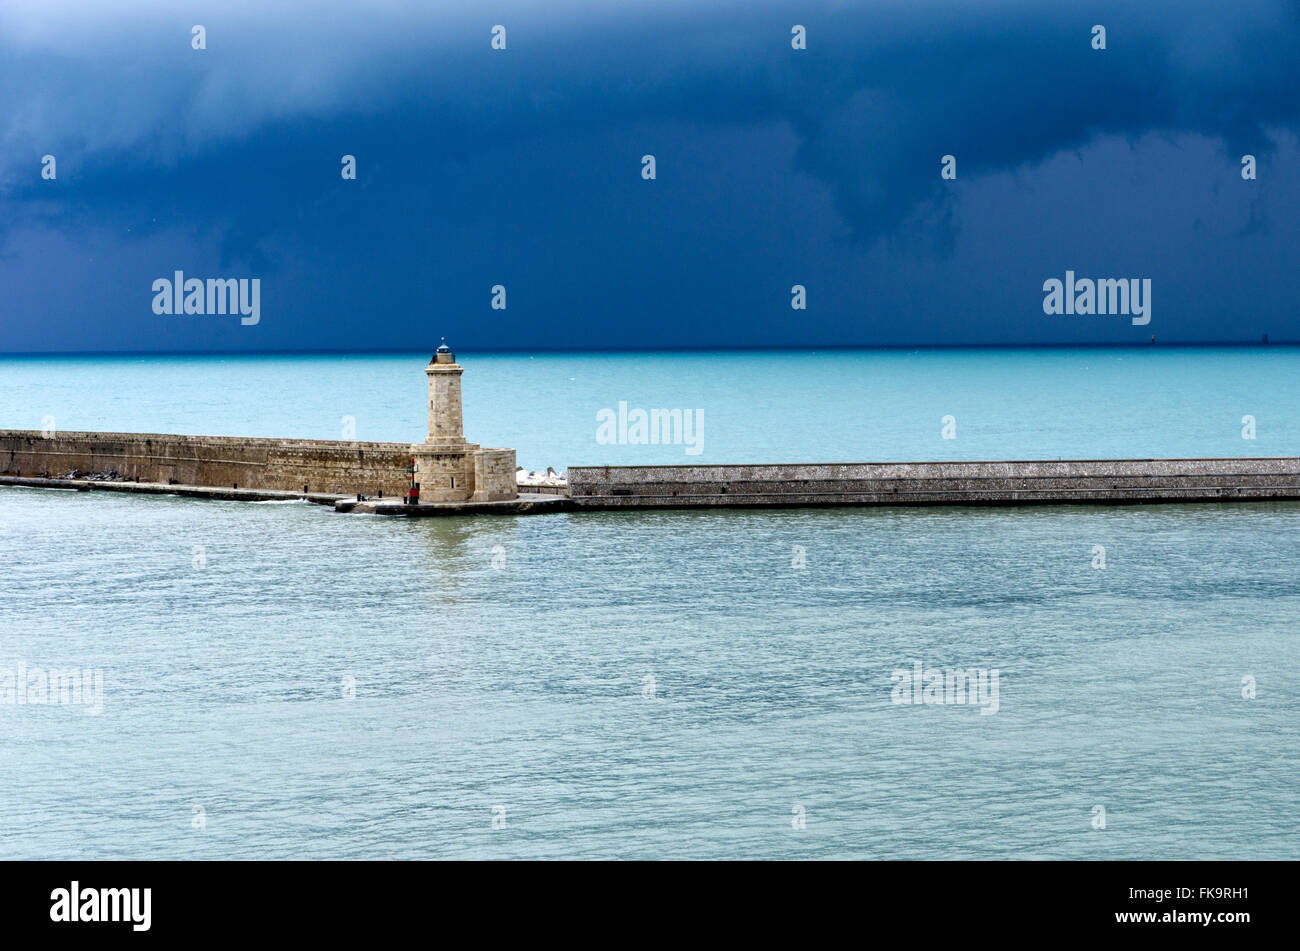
[[289, 465], [935, 483]]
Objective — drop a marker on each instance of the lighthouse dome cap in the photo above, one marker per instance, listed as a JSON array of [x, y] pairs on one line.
[[443, 354]]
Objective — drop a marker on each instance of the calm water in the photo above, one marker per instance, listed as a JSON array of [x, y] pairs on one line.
[[506, 661], [846, 406]]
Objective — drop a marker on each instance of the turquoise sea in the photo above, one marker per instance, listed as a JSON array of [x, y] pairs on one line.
[[801, 406], [283, 682]]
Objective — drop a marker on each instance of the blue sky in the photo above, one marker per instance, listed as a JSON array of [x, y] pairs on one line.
[[479, 167]]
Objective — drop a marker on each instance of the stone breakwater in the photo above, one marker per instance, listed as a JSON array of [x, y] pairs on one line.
[[1108, 481], [338, 472], [303, 466]]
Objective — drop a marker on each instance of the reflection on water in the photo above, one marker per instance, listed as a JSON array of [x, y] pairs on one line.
[[503, 662]]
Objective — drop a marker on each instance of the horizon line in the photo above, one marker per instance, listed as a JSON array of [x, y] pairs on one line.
[[553, 351]]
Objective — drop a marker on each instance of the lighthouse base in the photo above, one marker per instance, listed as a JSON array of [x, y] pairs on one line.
[[464, 473]]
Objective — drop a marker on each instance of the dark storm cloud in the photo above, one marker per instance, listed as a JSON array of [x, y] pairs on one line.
[[481, 164]]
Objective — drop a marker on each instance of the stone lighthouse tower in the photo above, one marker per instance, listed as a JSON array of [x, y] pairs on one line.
[[446, 423], [447, 468]]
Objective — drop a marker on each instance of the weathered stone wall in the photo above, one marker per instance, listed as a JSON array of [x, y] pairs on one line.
[[524, 488], [944, 483], [472, 473], [288, 465], [374, 469], [444, 475], [445, 412], [494, 475]]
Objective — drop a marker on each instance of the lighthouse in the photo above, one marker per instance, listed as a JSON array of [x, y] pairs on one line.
[[447, 467], [446, 423]]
